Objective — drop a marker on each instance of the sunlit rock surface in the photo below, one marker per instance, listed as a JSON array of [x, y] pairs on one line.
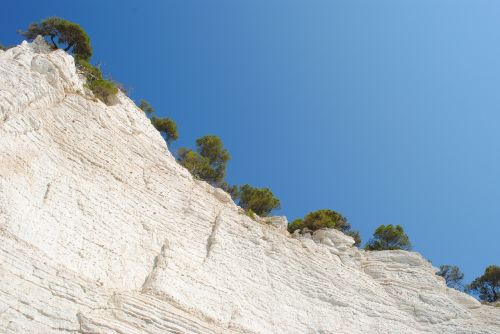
[[101, 231]]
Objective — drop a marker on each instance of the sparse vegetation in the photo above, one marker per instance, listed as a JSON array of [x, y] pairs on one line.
[[389, 237], [487, 286], [452, 275]]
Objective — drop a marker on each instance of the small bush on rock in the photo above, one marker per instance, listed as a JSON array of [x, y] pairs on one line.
[[260, 201], [389, 238], [321, 219], [167, 128], [101, 87], [208, 162]]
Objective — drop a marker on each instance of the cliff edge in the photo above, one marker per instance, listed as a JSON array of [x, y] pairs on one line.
[[102, 231]]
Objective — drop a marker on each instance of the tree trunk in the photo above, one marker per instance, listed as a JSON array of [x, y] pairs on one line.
[[52, 39]]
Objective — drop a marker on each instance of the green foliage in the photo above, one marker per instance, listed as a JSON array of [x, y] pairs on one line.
[[389, 237], [208, 162], [90, 71], [324, 219], [261, 201], [167, 128], [250, 214], [356, 236], [62, 34], [101, 87], [452, 275], [487, 286], [3, 48], [319, 219], [146, 107], [198, 166]]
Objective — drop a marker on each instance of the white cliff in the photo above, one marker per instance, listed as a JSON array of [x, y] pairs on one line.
[[101, 231]]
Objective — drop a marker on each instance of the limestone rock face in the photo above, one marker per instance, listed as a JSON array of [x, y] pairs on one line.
[[101, 231]]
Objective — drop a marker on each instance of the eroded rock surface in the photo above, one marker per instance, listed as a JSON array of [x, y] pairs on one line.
[[101, 231]]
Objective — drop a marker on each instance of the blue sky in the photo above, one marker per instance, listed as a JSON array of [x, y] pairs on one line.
[[386, 111]]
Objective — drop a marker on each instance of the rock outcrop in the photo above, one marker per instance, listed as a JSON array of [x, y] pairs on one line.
[[102, 231]]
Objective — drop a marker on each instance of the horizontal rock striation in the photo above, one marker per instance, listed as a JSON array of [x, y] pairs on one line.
[[101, 231]]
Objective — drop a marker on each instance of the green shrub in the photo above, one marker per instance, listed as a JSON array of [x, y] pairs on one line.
[[62, 34], [90, 71], [209, 162], [326, 218], [261, 201], [295, 225], [198, 166], [322, 219], [101, 87], [167, 128], [389, 238], [250, 214]]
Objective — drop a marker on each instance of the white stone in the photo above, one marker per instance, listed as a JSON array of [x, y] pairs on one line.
[[101, 231]]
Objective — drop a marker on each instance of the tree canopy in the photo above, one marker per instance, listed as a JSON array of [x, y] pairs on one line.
[[389, 238], [208, 162], [63, 34], [487, 286], [259, 200], [452, 275]]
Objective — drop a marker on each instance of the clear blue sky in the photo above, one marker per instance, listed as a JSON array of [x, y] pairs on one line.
[[387, 111]]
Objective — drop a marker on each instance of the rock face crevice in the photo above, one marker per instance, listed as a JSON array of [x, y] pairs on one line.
[[102, 231]]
